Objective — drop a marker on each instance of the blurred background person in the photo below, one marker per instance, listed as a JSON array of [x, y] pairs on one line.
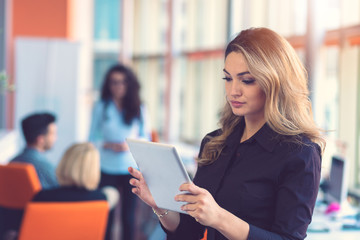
[[78, 174], [40, 133], [117, 116]]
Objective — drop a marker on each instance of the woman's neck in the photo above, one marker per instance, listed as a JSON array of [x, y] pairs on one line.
[[251, 127], [118, 103]]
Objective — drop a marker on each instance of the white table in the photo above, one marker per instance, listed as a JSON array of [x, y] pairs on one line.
[[335, 235], [334, 226]]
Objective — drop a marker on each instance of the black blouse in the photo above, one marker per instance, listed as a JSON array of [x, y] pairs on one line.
[[269, 181]]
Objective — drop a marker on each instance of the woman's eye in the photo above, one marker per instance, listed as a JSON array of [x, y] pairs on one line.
[[248, 81], [227, 79]]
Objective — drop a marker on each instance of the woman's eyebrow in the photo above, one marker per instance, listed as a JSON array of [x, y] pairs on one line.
[[239, 74]]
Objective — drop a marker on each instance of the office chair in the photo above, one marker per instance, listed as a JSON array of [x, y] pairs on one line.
[[64, 220], [18, 184]]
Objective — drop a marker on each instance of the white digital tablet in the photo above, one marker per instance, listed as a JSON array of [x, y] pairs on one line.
[[162, 169]]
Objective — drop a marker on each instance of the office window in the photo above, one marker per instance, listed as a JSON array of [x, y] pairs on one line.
[[348, 106], [299, 13], [350, 12], [2, 66], [206, 26], [107, 19], [237, 18], [357, 157], [150, 24], [287, 17], [326, 105], [332, 11], [107, 34], [152, 80], [350, 16], [203, 97], [284, 18]]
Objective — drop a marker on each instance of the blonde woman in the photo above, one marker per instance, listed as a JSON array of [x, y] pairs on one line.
[[258, 175], [78, 174]]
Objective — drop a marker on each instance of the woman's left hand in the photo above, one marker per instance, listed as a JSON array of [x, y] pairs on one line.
[[200, 204]]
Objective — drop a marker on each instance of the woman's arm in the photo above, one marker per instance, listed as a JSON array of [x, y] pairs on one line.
[[169, 219], [297, 190]]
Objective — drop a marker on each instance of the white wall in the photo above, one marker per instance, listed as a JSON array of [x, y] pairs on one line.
[[46, 73], [8, 145], [83, 34]]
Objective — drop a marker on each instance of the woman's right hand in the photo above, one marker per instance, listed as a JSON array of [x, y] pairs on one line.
[[140, 187]]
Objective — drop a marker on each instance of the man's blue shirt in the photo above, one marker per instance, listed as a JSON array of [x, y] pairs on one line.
[[44, 169]]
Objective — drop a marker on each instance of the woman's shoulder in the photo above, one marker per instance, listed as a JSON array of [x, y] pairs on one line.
[[214, 133], [98, 105], [211, 135], [102, 106], [101, 103], [299, 147], [297, 141]]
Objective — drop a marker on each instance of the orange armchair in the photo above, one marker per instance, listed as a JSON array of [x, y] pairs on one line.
[[64, 220], [18, 184]]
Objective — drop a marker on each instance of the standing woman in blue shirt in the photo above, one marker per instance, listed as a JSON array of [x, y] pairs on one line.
[[258, 175], [117, 116]]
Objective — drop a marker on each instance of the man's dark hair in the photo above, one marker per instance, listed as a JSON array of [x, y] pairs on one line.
[[35, 125]]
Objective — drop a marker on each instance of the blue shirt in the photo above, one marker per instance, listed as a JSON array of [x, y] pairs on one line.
[[44, 169], [108, 125]]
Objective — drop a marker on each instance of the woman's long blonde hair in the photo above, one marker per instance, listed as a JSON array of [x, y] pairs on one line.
[[281, 75], [80, 166]]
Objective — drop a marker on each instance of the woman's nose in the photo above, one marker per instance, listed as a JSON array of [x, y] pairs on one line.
[[236, 88]]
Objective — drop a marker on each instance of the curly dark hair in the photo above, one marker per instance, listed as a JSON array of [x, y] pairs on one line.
[[131, 102]]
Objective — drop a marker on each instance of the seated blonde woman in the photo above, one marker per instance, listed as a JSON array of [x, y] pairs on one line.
[[78, 174]]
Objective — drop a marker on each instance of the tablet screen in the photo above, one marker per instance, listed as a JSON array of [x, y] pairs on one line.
[[162, 169]]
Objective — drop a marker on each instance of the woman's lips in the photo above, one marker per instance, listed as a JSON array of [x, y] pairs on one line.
[[237, 104]]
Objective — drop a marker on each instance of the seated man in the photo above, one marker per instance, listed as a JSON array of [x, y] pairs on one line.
[[40, 134]]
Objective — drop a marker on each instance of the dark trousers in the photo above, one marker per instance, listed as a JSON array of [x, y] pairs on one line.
[[10, 219], [128, 204]]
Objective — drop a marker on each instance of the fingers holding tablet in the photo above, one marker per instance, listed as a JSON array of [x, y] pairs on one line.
[[163, 170], [140, 187]]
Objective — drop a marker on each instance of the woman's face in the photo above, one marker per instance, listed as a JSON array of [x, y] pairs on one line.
[[117, 85], [243, 92]]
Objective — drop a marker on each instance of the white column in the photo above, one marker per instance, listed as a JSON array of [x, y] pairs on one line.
[[83, 24]]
